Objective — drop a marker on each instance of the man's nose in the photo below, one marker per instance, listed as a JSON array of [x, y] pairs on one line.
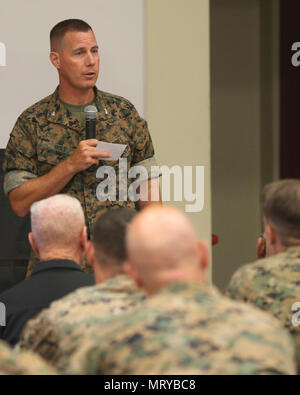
[[90, 59]]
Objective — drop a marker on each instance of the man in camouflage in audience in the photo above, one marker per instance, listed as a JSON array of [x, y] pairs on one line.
[[13, 362], [48, 151], [184, 326], [273, 283], [57, 332]]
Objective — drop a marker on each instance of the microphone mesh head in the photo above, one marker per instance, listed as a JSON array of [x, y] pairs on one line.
[[90, 112]]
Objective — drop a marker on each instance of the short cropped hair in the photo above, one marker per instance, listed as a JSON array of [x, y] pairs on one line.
[[57, 221], [109, 237], [280, 205], [60, 29]]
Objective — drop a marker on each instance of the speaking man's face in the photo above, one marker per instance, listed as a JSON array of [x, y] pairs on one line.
[[79, 60]]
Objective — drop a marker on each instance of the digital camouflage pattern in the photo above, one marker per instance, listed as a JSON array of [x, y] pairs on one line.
[[13, 362], [57, 332], [47, 133], [188, 327], [273, 285]]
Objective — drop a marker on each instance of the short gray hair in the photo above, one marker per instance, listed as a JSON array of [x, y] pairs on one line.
[[280, 205], [57, 221]]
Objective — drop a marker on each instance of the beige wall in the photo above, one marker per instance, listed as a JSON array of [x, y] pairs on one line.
[[177, 89], [245, 124]]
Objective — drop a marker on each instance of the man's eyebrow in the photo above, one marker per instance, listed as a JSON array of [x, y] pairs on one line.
[[78, 49], [83, 48]]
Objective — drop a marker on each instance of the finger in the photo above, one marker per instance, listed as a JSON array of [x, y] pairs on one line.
[[91, 142], [91, 163], [95, 162], [100, 154]]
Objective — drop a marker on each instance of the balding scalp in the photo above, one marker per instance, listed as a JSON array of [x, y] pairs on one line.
[[161, 241]]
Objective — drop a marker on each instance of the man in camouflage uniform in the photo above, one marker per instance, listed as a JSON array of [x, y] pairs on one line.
[[13, 362], [57, 332], [184, 326], [272, 284], [48, 152]]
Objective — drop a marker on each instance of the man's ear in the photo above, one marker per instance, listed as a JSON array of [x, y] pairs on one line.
[[33, 244], [203, 254], [261, 247], [83, 240], [131, 272], [271, 234], [55, 59], [90, 253]]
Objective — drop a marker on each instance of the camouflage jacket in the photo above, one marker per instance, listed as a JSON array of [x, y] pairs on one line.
[[47, 133], [188, 328], [57, 332], [13, 362], [273, 285]]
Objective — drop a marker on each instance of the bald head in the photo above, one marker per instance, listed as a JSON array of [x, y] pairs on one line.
[[163, 247], [57, 223]]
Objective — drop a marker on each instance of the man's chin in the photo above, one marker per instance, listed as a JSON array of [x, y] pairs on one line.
[[87, 86]]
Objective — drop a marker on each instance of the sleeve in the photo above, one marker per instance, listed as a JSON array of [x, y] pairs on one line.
[[143, 154], [20, 160], [15, 178]]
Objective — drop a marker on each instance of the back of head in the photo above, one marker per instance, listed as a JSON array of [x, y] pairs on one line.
[[280, 205], [163, 248], [109, 238], [60, 29], [57, 223]]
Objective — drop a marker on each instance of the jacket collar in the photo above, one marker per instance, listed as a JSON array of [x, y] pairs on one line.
[[193, 289], [54, 265], [57, 113]]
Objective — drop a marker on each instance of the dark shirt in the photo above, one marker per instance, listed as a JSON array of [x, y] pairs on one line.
[[50, 280]]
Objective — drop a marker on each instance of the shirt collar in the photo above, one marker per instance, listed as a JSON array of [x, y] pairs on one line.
[[119, 283], [185, 288], [293, 249], [55, 264], [57, 113]]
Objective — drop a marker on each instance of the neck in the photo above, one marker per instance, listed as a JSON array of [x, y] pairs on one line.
[[198, 276], [50, 256], [103, 275], [74, 96]]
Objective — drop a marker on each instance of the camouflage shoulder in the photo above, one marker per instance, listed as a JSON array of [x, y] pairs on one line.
[[119, 101], [262, 268], [258, 328], [241, 277], [40, 107]]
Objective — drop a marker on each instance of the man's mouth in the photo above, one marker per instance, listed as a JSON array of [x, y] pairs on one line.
[[90, 74]]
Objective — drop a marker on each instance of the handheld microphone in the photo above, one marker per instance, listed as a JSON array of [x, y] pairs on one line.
[[90, 121]]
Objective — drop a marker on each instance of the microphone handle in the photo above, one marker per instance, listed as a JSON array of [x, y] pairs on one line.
[[90, 128]]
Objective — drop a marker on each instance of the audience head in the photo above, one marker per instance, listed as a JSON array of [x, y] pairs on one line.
[[162, 248], [280, 205], [107, 251], [58, 228]]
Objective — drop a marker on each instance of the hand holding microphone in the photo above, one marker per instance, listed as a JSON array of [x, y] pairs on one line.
[[85, 154]]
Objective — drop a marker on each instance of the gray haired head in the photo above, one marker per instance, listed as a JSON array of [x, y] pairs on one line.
[[57, 222]]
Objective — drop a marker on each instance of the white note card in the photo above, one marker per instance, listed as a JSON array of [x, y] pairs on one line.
[[116, 150]]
